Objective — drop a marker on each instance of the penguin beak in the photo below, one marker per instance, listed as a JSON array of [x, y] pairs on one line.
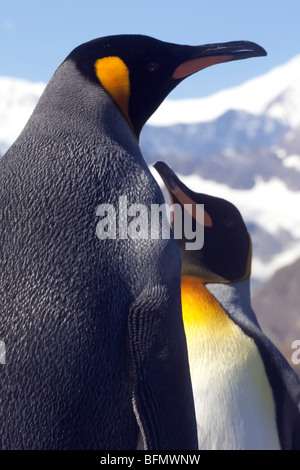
[[168, 176], [178, 192], [211, 54]]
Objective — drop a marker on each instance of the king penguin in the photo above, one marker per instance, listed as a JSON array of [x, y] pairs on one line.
[[246, 395], [95, 347]]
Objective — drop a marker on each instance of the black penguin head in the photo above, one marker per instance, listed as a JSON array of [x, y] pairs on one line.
[[139, 71], [226, 253]]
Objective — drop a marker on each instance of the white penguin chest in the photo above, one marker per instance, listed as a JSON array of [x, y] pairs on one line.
[[233, 399], [234, 405]]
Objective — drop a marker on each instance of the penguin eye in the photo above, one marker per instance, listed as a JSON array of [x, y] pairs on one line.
[[229, 223], [153, 66]]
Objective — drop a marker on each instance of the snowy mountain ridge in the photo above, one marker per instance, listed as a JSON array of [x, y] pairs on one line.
[[276, 93]]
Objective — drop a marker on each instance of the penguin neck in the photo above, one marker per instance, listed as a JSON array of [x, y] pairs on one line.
[[200, 308], [215, 314], [235, 298], [209, 308], [81, 108]]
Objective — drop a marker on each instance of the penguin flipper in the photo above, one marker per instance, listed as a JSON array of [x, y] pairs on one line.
[[162, 393], [286, 389]]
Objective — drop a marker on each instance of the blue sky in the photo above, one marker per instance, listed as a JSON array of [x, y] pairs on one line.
[[35, 36]]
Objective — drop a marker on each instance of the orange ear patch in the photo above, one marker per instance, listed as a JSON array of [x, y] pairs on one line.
[[113, 74]]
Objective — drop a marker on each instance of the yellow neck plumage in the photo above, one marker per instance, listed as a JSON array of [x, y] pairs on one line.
[[200, 308]]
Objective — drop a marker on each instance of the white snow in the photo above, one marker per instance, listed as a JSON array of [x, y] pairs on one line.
[[292, 161], [17, 101], [263, 271]]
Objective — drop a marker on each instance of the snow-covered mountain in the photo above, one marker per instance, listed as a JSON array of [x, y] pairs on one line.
[[235, 134], [242, 144], [275, 94]]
